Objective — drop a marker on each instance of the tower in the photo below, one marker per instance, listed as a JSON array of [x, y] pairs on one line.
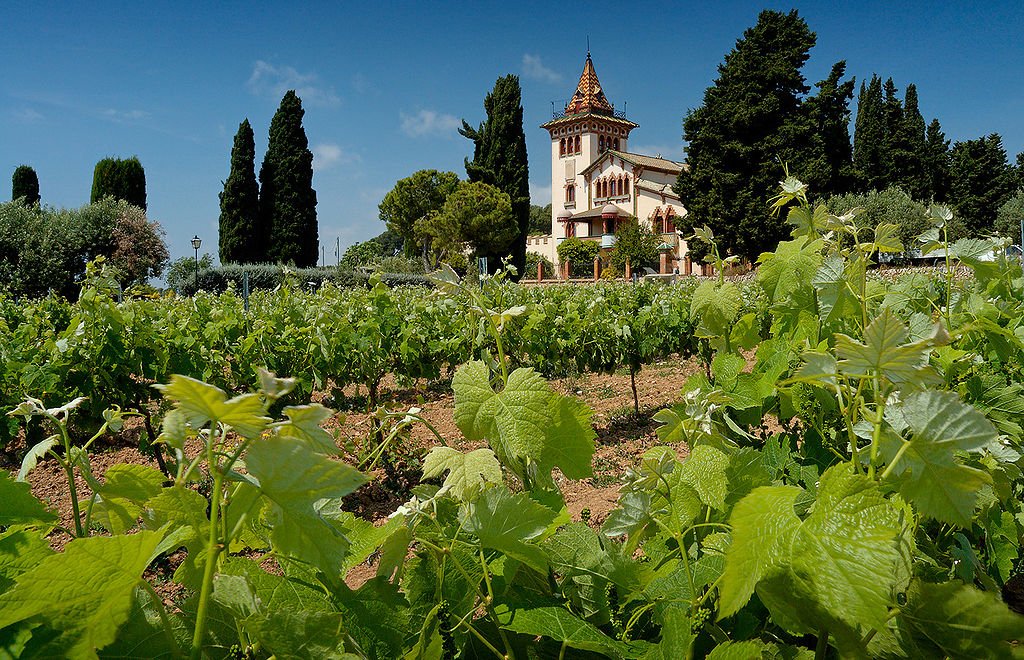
[[588, 127]]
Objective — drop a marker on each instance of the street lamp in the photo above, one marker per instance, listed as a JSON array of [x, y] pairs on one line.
[[196, 244]]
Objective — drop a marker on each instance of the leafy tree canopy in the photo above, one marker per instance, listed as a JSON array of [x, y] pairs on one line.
[[540, 219], [1009, 216], [477, 216], [412, 200], [635, 243]]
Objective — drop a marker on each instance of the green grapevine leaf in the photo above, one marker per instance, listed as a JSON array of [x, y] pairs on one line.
[[83, 594], [576, 553], [883, 352], [927, 472], [304, 423], [125, 489], [764, 524], [559, 624], [716, 307], [505, 522], [296, 479], [704, 470], [844, 554], [736, 651], [202, 403], [956, 620], [300, 634], [836, 297], [20, 507], [377, 617], [524, 421], [33, 455], [20, 550], [886, 238], [467, 473], [184, 512], [788, 269]]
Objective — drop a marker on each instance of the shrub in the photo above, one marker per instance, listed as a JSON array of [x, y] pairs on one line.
[[580, 255], [532, 261]]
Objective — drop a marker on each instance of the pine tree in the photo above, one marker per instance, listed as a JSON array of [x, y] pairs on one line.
[[120, 178], [869, 136], [936, 162], [239, 202], [287, 207], [910, 149], [499, 159], [982, 181], [829, 171], [25, 184], [750, 120]]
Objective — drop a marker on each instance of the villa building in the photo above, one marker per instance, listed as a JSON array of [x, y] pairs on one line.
[[596, 182]]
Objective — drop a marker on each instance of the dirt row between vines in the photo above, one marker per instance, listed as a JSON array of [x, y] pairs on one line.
[[622, 437]]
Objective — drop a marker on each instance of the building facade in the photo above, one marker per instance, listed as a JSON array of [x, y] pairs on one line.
[[596, 182]]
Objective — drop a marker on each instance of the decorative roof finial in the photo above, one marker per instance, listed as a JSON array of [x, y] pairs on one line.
[[588, 46]]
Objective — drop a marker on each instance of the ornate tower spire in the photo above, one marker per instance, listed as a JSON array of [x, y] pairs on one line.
[[589, 96]]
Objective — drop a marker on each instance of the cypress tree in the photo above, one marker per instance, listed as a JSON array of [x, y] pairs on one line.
[[25, 184], [911, 148], [829, 171], [239, 201], [982, 181], [287, 206], [869, 135], [936, 162], [751, 118], [499, 159], [119, 178], [893, 150]]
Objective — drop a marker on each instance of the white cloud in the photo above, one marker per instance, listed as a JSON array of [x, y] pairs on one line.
[[27, 115], [327, 154], [535, 69], [271, 80], [429, 123], [122, 116], [540, 195]]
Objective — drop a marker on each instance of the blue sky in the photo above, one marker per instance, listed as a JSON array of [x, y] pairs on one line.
[[386, 84]]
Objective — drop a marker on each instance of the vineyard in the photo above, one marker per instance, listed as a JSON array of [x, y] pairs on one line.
[[841, 478]]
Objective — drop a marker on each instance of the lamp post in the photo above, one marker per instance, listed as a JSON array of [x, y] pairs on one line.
[[196, 244]]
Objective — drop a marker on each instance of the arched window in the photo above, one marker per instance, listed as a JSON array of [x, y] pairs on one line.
[[625, 185], [670, 222], [616, 144], [577, 149], [570, 229], [561, 147], [600, 143], [570, 193], [621, 189]]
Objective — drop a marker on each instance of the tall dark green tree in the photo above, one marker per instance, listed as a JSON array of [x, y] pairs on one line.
[[982, 181], [870, 136], [829, 169], [936, 162], [120, 178], [239, 202], [25, 184], [499, 159], [287, 208], [892, 149], [910, 149], [750, 120]]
